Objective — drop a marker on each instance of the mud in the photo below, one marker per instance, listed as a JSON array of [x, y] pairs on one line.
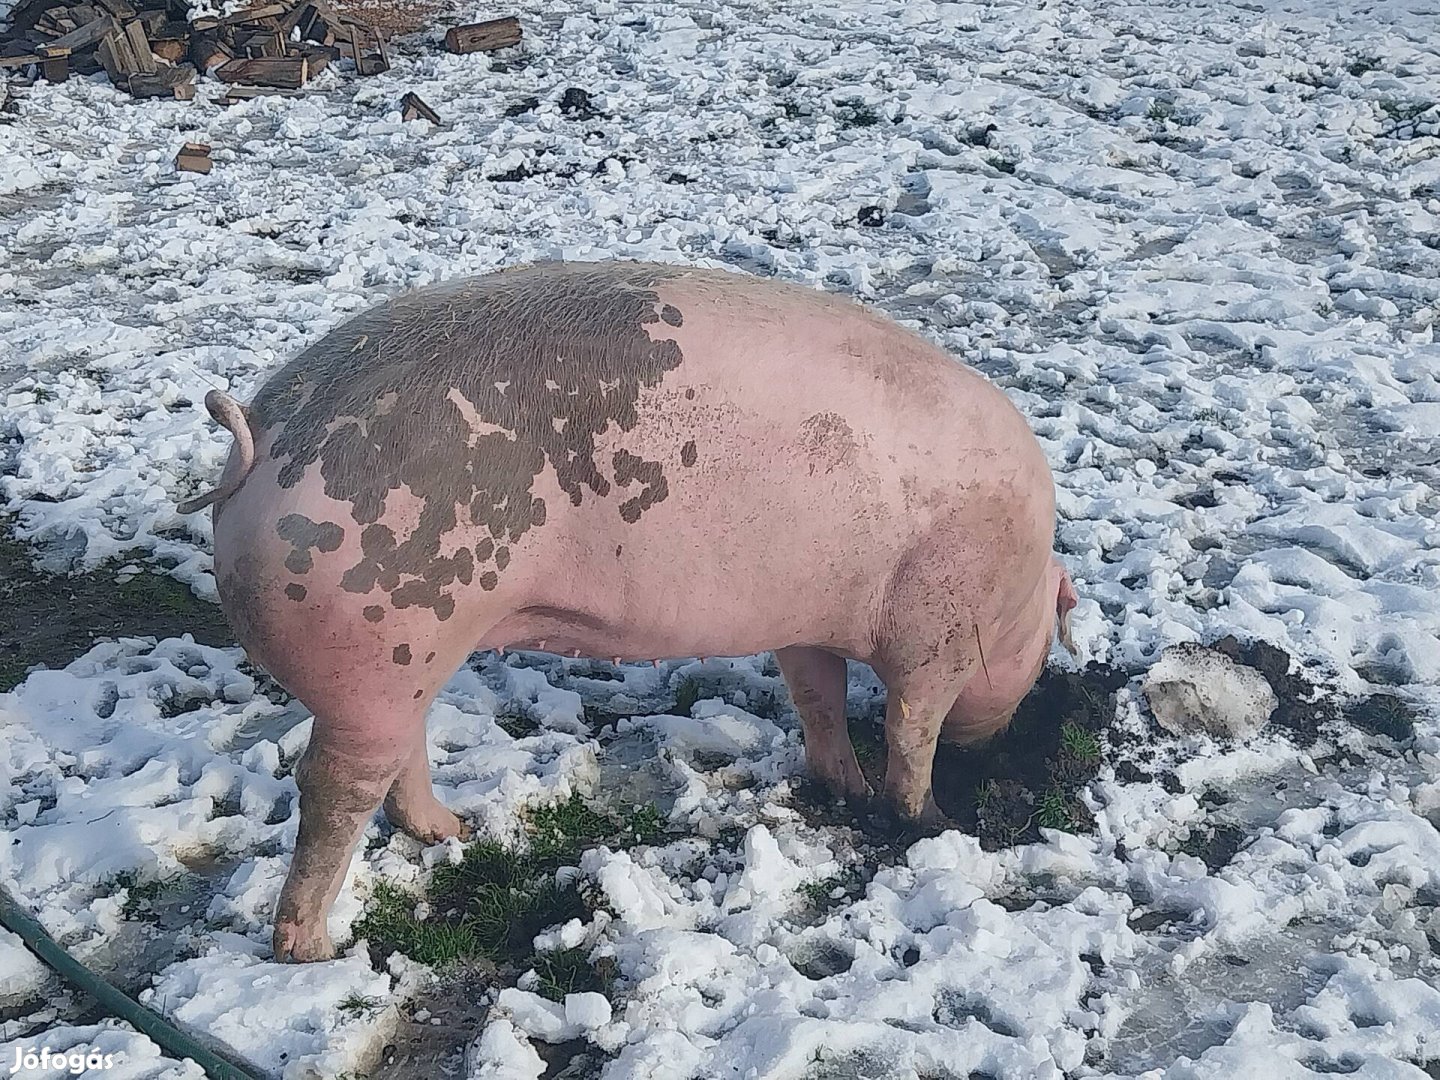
[[1004, 791]]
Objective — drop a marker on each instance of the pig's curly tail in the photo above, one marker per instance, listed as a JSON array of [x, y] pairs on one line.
[[230, 415]]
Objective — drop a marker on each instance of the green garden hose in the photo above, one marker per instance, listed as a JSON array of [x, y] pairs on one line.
[[147, 1021]]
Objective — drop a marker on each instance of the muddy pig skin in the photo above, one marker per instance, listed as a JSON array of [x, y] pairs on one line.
[[635, 461]]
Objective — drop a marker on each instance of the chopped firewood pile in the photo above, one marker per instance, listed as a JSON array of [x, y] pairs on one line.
[[152, 48]]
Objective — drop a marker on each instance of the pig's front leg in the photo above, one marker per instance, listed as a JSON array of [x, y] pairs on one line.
[[915, 710], [816, 680], [343, 775]]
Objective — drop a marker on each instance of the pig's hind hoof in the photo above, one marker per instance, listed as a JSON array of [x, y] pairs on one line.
[[296, 944]]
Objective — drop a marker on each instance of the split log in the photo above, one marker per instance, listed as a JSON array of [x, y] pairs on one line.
[[83, 38], [173, 49], [164, 82], [56, 70], [116, 57], [367, 48], [412, 108], [20, 61], [208, 51], [289, 73], [483, 36], [194, 157], [258, 44], [139, 48]]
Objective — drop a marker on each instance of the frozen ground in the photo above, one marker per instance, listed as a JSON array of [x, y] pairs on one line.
[[1199, 243]]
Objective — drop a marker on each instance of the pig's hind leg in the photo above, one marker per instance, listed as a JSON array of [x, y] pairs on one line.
[[356, 752], [816, 680]]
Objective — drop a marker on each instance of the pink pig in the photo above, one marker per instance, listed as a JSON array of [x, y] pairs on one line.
[[636, 461]]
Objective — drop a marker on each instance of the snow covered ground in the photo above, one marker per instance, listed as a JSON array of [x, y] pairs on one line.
[[1198, 243]]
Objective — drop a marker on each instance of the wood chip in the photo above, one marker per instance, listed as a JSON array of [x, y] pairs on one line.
[[483, 36]]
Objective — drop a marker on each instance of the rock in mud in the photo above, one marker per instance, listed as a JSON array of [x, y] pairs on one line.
[[1195, 689]]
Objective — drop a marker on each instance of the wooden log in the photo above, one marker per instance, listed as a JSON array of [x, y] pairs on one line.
[[483, 36], [83, 38], [140, 48], [20, 61], [56, 70], [288, 73], [194, 157]]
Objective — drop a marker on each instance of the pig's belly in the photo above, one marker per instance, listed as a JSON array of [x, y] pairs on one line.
[[726, 567]]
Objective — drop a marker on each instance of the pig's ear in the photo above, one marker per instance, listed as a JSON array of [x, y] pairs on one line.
[[1065, 599]]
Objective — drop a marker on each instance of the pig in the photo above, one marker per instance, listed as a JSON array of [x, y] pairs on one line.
[[632, 461]]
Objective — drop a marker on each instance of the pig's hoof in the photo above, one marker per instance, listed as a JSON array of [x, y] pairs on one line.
[[843, 779], [427, 821], [898, 826], [296, 944]]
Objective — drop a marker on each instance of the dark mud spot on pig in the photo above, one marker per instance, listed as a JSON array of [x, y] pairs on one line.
[[401, 655], [1026, 778], [461, 394], [50, 619], [295, 592], [303, 536]]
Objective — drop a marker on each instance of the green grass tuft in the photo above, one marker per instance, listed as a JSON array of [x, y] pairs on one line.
[[494, 902], [140, 896], [1056, 811], [1079, 744], [355, 1005], [572, 971]]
